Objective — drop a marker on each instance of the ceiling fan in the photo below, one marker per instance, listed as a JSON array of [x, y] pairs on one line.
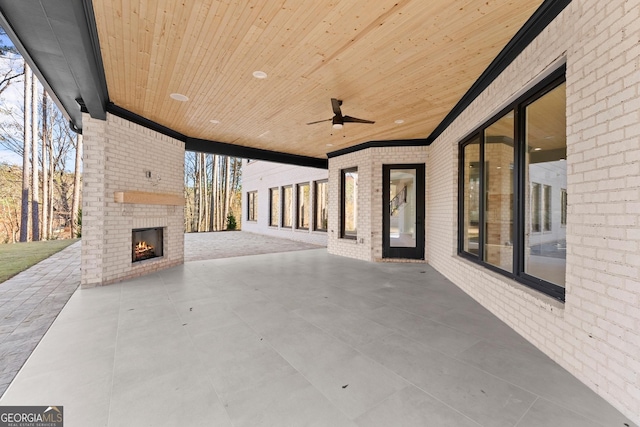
[[338, 120]]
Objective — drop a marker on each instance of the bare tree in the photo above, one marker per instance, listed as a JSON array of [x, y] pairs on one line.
[[227, 189], [46, 232], [24, 216], [215, 226], [35, 191], [12, 74], [213, 195], [75, 207]]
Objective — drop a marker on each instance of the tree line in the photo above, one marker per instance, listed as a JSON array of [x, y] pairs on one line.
[[45, 203], [41, 199], [49, 196], [212, 191]]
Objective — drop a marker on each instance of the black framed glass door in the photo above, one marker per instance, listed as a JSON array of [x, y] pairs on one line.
[[403, 211]]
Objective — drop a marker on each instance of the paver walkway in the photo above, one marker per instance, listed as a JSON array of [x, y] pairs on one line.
[[201, 246], [31, 301]]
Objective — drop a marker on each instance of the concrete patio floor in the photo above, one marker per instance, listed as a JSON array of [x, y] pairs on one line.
[[299, 338]]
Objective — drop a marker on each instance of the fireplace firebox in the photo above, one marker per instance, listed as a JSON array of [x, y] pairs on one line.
[[146, 243]]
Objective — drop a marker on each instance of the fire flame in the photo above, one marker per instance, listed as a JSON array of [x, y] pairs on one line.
[[143, 245]]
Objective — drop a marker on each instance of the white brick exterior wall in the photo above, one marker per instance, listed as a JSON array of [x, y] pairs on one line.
[[596, 333], [260, 176], [116, 155], [368, 245]]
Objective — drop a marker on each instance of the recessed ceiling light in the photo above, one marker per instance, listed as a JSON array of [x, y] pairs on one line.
[[259, 74], [214, 121], [179, 97], [399, 122], [329, 145], [537, 149]]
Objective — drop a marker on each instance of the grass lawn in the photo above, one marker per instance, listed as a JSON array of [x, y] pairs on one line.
[[17, 257]]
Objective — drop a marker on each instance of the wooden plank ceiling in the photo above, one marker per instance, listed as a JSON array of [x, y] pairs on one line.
[[388, 60]]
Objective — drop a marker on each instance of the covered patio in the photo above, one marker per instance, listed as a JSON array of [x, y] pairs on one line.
[[294, 339]]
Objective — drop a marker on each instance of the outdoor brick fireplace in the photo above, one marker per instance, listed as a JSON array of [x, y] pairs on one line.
[[133, 215], [146, 243]]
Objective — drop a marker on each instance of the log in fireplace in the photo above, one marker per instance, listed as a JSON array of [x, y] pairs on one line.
[[146, 243]]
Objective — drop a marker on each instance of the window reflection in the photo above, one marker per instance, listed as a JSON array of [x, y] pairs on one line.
[[321, 203], [498, 170], [350, 203], [546, 181], [471, 197], [274, 204]]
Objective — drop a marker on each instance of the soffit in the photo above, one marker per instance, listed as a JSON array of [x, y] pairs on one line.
[[409, 60]]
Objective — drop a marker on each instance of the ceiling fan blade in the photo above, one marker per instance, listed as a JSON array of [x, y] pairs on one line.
[[320, 121], [335, 105], [349, 119]]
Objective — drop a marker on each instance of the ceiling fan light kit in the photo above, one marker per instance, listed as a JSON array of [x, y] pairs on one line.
[[336, 124]]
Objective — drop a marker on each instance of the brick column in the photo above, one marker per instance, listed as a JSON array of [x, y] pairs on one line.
[[93, 203]]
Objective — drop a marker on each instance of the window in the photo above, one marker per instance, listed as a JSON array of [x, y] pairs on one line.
[[303, 200], [287, 205], [535, 207], [511, 171], [546, 207], [274, 204], [252, 206], [540, 207], [349, 205], [563, 206], [471, 196], [321, 192]]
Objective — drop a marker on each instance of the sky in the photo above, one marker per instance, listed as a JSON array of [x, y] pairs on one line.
[[13, 97]]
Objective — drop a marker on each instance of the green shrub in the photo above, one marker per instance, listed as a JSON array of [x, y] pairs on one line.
[[231, 222]]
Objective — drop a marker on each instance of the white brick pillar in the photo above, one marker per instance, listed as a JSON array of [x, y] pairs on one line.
[[93, 203]]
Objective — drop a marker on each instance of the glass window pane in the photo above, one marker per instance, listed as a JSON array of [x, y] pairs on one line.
[[287, 204], [303, 206], [546, 207], [535, 207], [546, 178], [498, 179], [402, 208], [274, 201], [350, 200], [252, 214], [322, 198], [563, 207], [471, 197]]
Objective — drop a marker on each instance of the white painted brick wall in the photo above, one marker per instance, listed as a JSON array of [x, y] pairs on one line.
[[116, 155], [260, 176], [361, 247], [596, 333], [369, 162]]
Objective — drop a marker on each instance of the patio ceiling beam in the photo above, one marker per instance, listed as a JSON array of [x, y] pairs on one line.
[[220, 148]]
